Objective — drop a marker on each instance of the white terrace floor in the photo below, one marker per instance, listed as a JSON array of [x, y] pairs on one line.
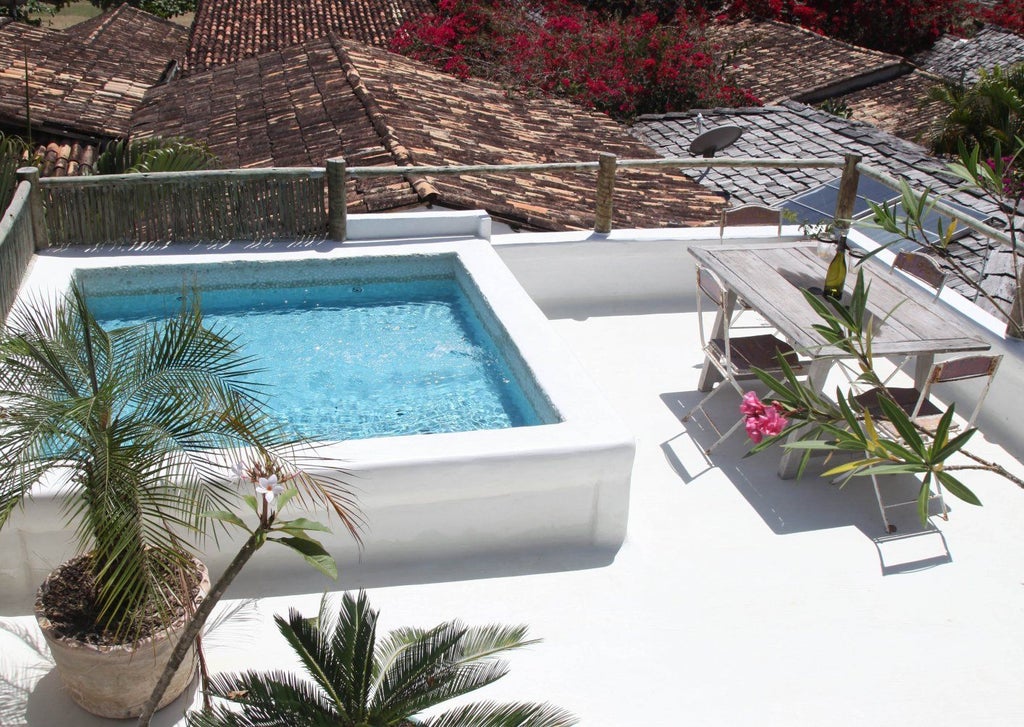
[[737, 598]]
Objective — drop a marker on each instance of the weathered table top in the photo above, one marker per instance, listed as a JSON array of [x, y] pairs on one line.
[[770, 277]]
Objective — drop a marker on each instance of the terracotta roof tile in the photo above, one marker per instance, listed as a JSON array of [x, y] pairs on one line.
[[900, 106], [88, 81], [778, 61], [225, 32], [334, 97]]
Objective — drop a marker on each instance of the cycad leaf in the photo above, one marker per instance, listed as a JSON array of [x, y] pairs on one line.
[[491, 714]]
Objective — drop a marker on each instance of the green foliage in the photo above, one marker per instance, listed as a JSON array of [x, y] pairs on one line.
[[160, 8], [1000, 179], [134, 424], [355, 678], [836, 107], [824, 425], [13, 152], [23, 10], [988, 112], [154, 154]]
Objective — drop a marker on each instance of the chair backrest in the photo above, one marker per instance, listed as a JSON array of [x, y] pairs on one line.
[[921, 267], [960, 369], [750, 214]]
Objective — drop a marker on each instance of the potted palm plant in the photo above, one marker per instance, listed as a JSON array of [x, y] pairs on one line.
[[138, 425]]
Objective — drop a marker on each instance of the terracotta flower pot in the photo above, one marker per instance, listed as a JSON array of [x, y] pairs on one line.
[[116, 681]]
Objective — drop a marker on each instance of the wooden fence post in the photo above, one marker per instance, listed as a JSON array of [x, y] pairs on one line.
[[605, 191], [847, 191], [40, 235], [337, 211]]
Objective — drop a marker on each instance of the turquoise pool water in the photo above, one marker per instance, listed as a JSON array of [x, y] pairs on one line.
[[361, 358]]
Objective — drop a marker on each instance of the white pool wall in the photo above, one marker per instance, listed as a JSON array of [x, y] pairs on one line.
[[424, 497]]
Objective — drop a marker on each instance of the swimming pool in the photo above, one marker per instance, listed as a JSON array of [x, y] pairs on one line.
[[528, 491], [390, 349]]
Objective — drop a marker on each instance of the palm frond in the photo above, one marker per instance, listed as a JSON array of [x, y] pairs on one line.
[[271, 699], [491, 714], [321, 661]]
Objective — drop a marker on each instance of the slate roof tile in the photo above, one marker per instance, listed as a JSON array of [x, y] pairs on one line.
[[834, 137], [960, 58]]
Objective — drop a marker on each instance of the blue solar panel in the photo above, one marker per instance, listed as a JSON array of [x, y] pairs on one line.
[[817, 206]]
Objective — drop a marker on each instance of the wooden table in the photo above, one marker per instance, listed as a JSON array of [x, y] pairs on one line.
[[770, 277]]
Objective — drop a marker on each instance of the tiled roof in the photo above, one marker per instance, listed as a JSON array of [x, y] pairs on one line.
[[63, 157], [225, 31], [89, 81], [900, 106], [792, 129], [779, 61], [335, 97], [955, 58]]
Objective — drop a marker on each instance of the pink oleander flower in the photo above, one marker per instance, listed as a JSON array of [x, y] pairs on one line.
[[762, 420], [751, 405]]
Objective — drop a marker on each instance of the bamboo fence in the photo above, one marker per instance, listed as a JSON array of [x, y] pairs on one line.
[[17, 244], [253, 204]]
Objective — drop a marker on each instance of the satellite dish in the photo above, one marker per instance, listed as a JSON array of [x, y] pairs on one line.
[[708, 143]]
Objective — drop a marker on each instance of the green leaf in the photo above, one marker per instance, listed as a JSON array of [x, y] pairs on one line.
[[226, 516], [953, 445], [899, 419], [250, 500], [923, 498], [957, 488], [285, 497], [300, 525], [313, 552]]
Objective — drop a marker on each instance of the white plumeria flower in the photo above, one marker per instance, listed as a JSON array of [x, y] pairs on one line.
[[270, 488], [240, 470]]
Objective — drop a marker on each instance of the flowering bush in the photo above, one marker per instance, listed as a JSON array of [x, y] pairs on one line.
[[895, 26], [623, 65], [1006, 13], [1011, 173]]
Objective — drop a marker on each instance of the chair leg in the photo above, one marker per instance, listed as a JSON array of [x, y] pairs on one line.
[[722, 436], [889, 527]]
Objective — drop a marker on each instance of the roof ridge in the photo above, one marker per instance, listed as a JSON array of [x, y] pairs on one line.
[[378, 119], [104, 22], [839, 41]]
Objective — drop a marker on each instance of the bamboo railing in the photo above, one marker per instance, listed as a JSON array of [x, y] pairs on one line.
[[310, 202], [17, 244], [216, 205]]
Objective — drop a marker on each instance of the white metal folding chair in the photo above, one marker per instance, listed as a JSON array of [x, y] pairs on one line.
[[921, 267], [925, 269], [925, 414], [750, 214], [734, 358]]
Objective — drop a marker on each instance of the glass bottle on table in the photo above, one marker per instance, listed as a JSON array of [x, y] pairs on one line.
[[835, 276]]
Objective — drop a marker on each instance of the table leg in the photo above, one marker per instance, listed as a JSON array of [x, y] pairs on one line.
[[789, 463], [922, 369], [710, 375]]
